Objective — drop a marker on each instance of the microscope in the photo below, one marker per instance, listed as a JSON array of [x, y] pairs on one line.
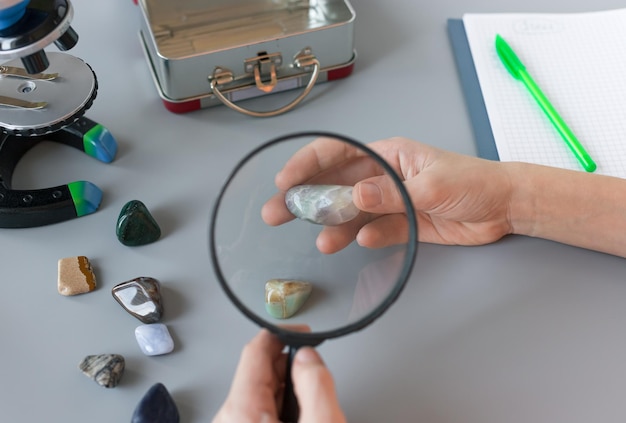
[[43, 97]]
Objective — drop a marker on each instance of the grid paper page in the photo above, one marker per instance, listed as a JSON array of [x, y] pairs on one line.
[[579, 62]]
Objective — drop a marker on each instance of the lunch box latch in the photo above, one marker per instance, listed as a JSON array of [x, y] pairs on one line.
[[264, 68]]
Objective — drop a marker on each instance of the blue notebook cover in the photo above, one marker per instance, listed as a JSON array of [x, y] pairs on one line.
[[485, 142]]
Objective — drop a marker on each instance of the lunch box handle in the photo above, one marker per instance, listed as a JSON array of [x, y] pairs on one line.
[[303, 60]]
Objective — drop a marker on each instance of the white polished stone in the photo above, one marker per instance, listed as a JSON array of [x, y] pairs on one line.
[[329, 205], [154, 339]]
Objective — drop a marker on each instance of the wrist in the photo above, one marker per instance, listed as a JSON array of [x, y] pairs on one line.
[[572, 207], [524, 189]]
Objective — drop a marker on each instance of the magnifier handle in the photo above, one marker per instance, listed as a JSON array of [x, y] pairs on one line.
[[290, 412]]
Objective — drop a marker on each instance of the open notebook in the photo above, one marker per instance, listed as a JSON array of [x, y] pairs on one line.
[[578, 60]]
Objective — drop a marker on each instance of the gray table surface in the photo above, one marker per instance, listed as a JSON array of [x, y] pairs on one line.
[[524, 330]]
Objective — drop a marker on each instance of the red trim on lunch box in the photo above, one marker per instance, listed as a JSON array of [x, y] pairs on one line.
[[341, 72], [182, 107], [191, 105]]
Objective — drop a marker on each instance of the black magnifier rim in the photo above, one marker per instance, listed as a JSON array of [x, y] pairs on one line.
[[297, 339]]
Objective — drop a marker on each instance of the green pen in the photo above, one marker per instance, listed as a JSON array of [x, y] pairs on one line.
[[516, 68]]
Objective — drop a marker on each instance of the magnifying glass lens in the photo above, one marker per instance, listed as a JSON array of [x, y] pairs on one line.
[[282, 241], [283, 238]]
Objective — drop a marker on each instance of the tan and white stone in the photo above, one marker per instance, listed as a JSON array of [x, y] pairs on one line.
[[75, 276]]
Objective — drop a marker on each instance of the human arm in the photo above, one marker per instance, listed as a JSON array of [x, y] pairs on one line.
[[572, 207], [468, 201], [257, 388], [461, 199], [453, 204]]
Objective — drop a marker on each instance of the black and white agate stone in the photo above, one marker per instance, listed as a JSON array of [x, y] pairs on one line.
[[141, 297]]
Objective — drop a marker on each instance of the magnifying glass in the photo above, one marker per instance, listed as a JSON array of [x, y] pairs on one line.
[[265, 241]]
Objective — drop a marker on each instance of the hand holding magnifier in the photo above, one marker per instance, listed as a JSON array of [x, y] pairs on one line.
[[254, 239]]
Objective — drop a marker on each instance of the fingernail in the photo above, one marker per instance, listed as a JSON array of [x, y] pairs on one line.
[[370, 194], [307, 355]]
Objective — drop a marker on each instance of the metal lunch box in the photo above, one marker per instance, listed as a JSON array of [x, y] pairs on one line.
[[203, 53]]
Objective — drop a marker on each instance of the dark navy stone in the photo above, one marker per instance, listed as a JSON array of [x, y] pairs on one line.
[[136, 226], [156, 406]]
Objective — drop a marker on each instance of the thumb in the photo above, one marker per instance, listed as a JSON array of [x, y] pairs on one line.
[[315, 389], [378, 194]]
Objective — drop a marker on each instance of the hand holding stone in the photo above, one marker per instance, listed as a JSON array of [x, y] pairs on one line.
[[458, 199], [325, 163]]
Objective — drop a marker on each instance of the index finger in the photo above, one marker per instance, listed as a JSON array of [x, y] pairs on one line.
[[313, 159], [255, 382]]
